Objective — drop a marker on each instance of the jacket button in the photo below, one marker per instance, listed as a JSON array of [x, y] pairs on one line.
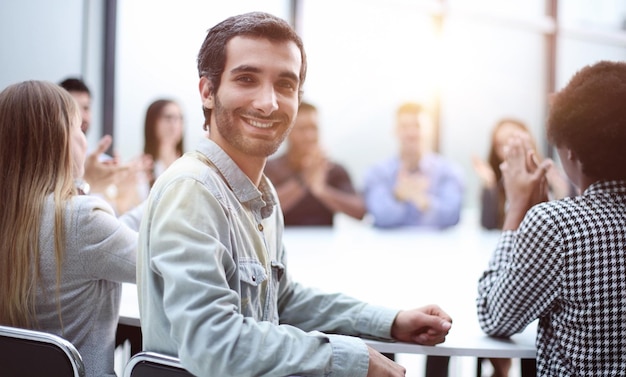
[[260, 227]]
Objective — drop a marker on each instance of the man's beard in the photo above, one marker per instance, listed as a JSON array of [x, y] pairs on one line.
[[226, 126]]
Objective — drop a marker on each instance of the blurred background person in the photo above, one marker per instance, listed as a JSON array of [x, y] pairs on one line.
[[121, 184], [63, 255], [417, 187], [81, 93], [311, 188], [493, 200], [163, 135]]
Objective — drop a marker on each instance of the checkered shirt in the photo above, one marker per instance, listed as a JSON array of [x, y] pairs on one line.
[[566, 266]]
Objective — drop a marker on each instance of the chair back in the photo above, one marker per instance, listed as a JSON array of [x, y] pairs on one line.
[[153, 364], [27, 353]]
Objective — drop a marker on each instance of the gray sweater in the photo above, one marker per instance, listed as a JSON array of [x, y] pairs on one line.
[[100, 254]]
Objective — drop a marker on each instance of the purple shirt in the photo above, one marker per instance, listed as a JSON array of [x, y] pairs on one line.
[[445, 194]]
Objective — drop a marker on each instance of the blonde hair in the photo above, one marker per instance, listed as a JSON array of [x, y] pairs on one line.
[[409, 108], [35, 161], [428, 137]]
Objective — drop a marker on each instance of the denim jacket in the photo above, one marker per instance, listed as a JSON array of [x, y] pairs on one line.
[[215, 289]]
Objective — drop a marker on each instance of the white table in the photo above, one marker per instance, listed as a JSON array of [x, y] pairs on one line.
[[403, 269]]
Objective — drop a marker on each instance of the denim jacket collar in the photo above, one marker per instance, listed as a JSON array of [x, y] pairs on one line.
[[260, 198]]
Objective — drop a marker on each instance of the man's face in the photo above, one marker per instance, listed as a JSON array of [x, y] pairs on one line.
[[305, 133], [169, 125], [78, 147], [409, 132], [505, 133], [256, 103], [84, 104]]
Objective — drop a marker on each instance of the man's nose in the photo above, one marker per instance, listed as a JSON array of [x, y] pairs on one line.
[[266, 100]]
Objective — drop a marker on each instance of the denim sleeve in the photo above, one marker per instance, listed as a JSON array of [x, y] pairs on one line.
[[350, 356], [311, 309]]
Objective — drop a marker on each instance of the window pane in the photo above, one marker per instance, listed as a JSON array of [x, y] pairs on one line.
[[525, 8], [597, 14], [574, 54]]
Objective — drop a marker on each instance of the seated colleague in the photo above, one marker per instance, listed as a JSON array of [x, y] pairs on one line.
[[214, 286], [63, 255], [562, 261], [122, 185], [493, 200], [163, 135], [492, 189], [81, 93], [415, 188], [311, 188]]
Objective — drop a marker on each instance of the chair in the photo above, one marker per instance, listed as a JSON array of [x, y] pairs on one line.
[[153, 364], [29, 353]]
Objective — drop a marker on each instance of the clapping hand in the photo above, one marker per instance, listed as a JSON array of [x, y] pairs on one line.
[[101, 173], [525, 182], [412, 186], [315, 167], [484, 171]]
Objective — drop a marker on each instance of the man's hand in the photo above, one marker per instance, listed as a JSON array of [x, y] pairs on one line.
[[484, 171], [315, 168], [382, 366], [412, 187], [129, 183], [428, 325], [101, 174]]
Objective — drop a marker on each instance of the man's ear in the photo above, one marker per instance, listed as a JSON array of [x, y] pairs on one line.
[[206, 93]]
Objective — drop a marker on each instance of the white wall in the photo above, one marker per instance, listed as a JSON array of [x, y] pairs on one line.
[[51, 40], [40, 40]]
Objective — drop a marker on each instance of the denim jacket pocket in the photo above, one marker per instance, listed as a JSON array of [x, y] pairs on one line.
[[252, 272], [252, 275]]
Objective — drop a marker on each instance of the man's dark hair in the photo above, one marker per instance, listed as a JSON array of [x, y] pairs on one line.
[[589, 117], [74, 84], [212, 55]]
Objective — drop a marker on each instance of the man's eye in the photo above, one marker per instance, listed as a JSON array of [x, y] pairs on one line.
[[244, 79], [287, 85]]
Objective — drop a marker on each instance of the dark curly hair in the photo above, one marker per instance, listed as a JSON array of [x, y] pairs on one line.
[[212, 55], [589, 117]]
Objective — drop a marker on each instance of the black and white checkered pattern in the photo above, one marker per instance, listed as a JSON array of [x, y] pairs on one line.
[[566, 265]]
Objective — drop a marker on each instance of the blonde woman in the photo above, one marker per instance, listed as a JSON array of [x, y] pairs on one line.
[[63, 255]]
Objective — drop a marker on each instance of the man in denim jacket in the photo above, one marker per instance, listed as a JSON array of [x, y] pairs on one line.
[[214, 287]]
